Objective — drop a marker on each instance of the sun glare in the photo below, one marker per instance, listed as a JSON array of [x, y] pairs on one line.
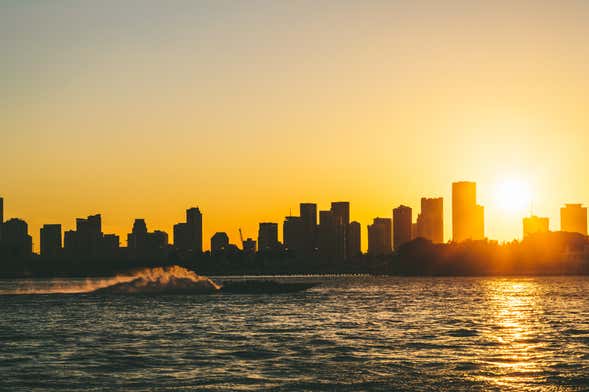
[[513, 195]]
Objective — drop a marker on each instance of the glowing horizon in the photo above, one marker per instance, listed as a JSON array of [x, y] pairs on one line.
[[141, 110]]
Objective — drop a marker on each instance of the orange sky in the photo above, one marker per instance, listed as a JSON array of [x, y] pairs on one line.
[[246, 109]]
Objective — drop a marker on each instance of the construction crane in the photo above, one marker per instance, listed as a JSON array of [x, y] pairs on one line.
[[241, 238]]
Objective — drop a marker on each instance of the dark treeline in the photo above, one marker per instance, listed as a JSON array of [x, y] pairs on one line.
[[554, 253]]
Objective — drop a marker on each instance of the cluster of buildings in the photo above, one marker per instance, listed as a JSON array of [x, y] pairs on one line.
[[328, 234]]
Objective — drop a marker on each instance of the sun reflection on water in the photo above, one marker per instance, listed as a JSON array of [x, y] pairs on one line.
[[513, 355]]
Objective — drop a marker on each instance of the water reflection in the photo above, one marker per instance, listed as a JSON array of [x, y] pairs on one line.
[[512, 332]]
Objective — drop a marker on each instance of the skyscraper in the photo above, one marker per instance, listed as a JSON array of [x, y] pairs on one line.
[[573, 218], [534, 224], [268, 237], [402, 225], [188, 235], [468, 218], [50, 236], [327, 236], [341, 215], [354, 240], [430, 222], [308, 212], [379, 237]]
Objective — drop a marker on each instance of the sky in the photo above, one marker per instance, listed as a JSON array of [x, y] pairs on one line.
[[141, 109]]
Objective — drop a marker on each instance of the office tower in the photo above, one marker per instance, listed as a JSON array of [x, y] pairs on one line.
[[110, 246], [402, 225], [308, 212], [268, 237], [354, 241], [249, 246], [379, 237], [50, 236], [294, 234], [16, 240], [194, 224], [327, 235], [534, 224], [1, 217], [341, 214], [86, 240], [219, 242], [430, 222], [573, 218], [468, 218]]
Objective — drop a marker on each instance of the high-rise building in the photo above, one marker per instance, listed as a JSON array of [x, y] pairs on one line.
[[573, 218], [341, 214], [294, 233], [535, 224], [430, 222], [143, 245], [188, 235], [402, 225], [85, 240], [268, 237], [379, 237], [16, 240], [468, 218], [50, 236], [308, 212], [354, 240], [219, 242]]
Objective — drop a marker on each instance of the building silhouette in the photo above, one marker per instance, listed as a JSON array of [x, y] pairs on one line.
[[219, 242], [341, 215], [293, 234], [402, 226], [188, 235], [85, 241], [308, 212], [468, 218], [50, 236], [430, 222], [380, 237], [354, 240], [268, 237], [16, 241], [534, 224], [145, 245], [573, 218]]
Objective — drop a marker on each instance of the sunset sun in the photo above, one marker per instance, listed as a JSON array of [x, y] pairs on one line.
[[513, 195]]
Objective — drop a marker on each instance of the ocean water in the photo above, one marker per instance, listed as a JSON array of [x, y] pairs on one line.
[[348, 333]]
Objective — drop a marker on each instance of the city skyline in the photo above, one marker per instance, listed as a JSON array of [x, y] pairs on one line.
[[306, 231]]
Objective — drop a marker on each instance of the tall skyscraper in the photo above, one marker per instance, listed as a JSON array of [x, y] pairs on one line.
[[50, 236], [573, 218], [534, 224], [468, 218], [327, 236], [308, 212], [341, 214], [430, 222], [188, 235], [354, 240], [379, 237], [268, 237], [402, 225]]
